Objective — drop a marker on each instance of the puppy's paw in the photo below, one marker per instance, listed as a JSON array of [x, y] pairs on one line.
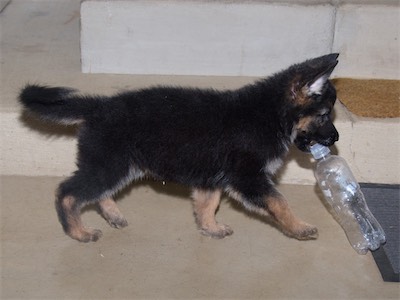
[[219, 231], [117, 222], [86, 235], [306, 232], [112, 214]]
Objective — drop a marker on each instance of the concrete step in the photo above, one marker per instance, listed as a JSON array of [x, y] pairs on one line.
[[370, 146], [238, 38]]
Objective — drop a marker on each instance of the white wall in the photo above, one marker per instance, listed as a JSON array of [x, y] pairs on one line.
[[238, 38]]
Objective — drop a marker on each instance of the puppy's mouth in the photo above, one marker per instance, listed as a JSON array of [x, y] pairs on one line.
[[303, 143], [326, 135]]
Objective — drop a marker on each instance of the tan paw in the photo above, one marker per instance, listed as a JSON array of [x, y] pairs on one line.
[[306, 232], [219, 231], [117, 222], [86, 235]]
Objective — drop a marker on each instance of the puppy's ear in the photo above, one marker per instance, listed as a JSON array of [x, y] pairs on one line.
[[316, 84], [310, 77]]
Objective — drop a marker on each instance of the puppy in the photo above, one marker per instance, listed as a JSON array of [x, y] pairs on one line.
[[212, 141]]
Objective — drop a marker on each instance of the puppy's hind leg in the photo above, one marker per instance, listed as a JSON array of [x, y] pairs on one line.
[[205, 204], [68, 210], [90, 187], [112, 214]]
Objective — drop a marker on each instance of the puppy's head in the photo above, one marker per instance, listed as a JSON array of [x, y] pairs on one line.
[[313, 96]]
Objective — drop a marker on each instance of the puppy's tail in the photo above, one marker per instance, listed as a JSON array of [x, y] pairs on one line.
[[57, 104]]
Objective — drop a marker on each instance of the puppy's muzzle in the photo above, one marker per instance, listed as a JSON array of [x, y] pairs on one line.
[[327, 134]]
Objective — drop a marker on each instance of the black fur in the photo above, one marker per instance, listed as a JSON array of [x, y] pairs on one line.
[[207, 139]]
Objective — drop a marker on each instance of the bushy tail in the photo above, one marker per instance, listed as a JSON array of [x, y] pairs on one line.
[[57, 104]]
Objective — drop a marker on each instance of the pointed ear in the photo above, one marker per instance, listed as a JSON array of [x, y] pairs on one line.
[[316, 85], [309, 78]]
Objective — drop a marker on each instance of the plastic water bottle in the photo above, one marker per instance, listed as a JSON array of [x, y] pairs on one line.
[[343, 193]]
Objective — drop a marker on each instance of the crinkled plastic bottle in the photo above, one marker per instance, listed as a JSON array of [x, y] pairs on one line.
[[343, 193]]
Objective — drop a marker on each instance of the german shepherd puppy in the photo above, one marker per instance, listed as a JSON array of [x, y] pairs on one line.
[[212, 141]]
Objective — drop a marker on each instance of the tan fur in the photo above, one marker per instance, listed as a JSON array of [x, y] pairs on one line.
[[76, 229], [205, 204], [303, 123], [290, 224], [278, 208], [112, 214], [298, 94]]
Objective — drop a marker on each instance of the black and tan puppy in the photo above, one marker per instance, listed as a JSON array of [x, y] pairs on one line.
[[212, 141]]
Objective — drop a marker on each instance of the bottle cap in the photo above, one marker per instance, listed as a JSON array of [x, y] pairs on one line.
[[318, 151]]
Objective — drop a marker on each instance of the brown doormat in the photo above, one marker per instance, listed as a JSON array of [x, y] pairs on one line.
[[374, 98]]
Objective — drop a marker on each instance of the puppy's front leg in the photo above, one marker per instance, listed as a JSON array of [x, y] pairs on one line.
[[205, 205], [269, 202], [279, 209]]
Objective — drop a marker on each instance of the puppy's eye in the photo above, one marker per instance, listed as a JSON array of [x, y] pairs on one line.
[[325, 114], [324, 117]]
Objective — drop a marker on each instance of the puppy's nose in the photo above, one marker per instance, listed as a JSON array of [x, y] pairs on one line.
[[335, 136]]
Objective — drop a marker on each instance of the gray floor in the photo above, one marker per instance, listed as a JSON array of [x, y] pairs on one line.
[[160, 254]]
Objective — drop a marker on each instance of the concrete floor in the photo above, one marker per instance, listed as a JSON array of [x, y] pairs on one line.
[[160, 254]]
